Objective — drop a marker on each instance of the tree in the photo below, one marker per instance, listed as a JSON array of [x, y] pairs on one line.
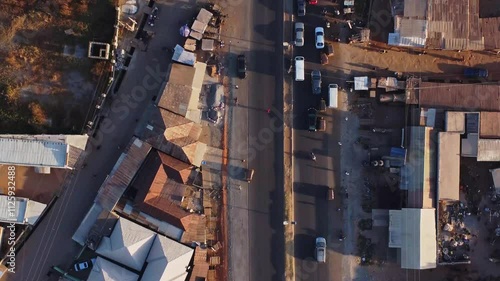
[[38, 116]]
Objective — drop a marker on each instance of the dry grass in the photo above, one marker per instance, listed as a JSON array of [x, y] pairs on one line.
[[32, 39]]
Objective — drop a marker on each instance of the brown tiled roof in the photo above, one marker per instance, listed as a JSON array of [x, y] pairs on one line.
[[160, 189], [174, 135], [490, 125]]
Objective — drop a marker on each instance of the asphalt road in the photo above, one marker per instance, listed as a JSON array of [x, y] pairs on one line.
[[256, 212], [51, 244], [314, 214]]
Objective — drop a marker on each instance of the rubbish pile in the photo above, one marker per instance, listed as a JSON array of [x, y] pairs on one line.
[[454, 237]]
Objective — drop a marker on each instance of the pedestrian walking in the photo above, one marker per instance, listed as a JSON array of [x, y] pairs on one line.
[[236, 87], [236, 101], [347, 173], [339, 143], [243, 160], [268, 110]]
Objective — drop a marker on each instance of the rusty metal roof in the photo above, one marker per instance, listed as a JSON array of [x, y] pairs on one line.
[[470, 97], [489, 125], [122, 174]]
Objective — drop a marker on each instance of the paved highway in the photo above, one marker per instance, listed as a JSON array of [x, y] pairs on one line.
[[256, 211], [51, 244], [315, 215]]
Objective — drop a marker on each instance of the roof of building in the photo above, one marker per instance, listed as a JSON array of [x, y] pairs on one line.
[[175, 135], [129, 244], [33, 153], [477, 97], [23, 211], [418, 175], [122, 174], [495, 174], [182, 91], [416, 9], [418, 236], [395, 229], [448, 184], [159, 194], [104, 270], [489, 126], [488, 150], [167, 261], [469, 145], [455, 121]]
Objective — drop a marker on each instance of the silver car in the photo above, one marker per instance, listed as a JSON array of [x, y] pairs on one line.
[[316, 82], [321, 249], [299, 34]]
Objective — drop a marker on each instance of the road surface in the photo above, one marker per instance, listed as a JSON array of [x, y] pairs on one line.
[[314, 214], [255, 214]]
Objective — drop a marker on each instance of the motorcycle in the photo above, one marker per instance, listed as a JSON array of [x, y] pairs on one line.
[[313, 157]]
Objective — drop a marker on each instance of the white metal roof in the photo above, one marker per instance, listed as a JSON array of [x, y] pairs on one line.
[[394, 228], [488, 150], [168, 260], [361, 83], [12, 213], [23, 211], [33, 153], [418, 236], [495, 174], [129, 244], [104, 270]]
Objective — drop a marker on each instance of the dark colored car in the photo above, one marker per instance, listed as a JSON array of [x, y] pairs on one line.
[[322, 105], [312, 120], [471, 72], [242, 66], [301, 8], [316, 82], [153, 16]]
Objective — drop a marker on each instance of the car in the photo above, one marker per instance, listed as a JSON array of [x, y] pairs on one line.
[[84, 265], [153, 17], [301, 9], [242, 66], [316, 82], [313, 2], [312, 120], [299, 34], [320, 37], [321, 249], [471, 72]]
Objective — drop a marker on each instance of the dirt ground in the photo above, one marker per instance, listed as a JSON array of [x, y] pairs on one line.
[[28, 184], [47, 81]]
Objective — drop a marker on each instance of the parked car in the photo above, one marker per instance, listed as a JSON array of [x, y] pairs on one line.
[[153, 16], [471, 72], [316, 82], [313, 2], [312, 119], [301, 9], [321, 249], [299, 34], [392, 98], [84, 265], [320, 37], [242, 66], [329, 49]]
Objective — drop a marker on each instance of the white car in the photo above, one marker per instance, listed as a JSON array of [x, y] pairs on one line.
[[320, 37], [299, 34], [321, 249], [84, 265]]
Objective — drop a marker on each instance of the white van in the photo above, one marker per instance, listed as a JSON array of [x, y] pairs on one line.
[[333, 92], [299, 68]]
